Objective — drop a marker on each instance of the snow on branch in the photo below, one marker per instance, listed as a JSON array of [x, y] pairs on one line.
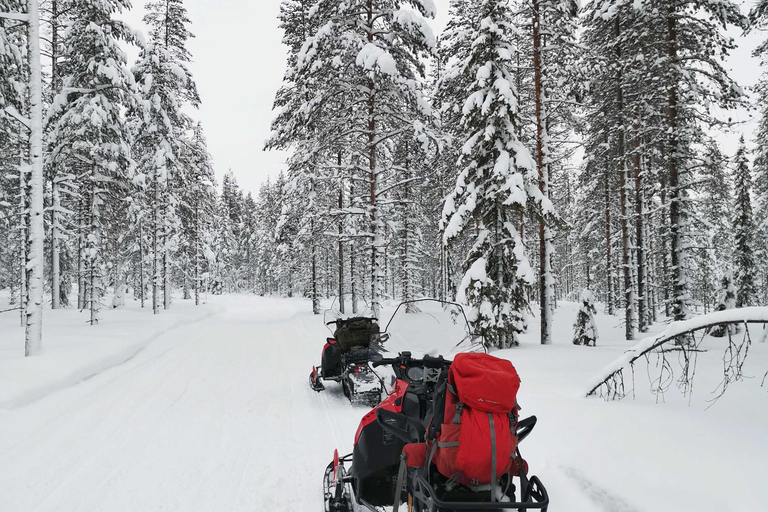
[[679, 337], [11, 111], [17, 16]]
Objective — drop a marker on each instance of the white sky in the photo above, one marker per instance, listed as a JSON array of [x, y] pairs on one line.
[[239, 64]]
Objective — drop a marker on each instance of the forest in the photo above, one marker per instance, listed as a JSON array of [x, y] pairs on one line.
[[529, 152]]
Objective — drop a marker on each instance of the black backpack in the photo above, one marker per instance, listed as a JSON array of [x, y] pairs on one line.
[[356, 333]]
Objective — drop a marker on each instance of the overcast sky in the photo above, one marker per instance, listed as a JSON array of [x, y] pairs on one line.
[[239, 64]]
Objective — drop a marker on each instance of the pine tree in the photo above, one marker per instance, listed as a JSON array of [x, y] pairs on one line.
[[166, 85], [758, 17], [554, 54], [89, 132], [196, 209], [497, 174], [713, 212], [13, 182], [744, 231], [378, 44], [694, 76]]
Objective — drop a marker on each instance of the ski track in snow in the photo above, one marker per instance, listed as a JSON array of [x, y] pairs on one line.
[[605, 500], [215, 416]]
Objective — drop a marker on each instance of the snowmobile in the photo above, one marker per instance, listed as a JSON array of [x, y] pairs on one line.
[[445, 439], [345, 359]]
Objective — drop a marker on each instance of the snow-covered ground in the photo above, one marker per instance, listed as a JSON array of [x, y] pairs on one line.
[[209, 409]]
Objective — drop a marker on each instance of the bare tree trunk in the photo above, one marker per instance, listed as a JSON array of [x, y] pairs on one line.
[[23, 236], [373, 178], [197, 253], [315, 298], [35, 256], [642, 289], [626, 263], [156, 259], [141, 262], [55, 194], [353, 277], [546, 296], [94, 287], [608, 262], [340, 243], [675, 217], [81, 256]]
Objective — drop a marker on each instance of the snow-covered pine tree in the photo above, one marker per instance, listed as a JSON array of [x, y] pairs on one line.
[[291, 130], [744, 231], [553, 45], [714, 212], [196, 208], [497, 176], [694, 77], [605, 36], [370, 52], [55, 17], [89, 133], [758, 18], [12, 147], [166, 85], [585, 329]]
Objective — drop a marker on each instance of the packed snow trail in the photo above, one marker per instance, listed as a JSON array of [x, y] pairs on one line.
[[214, 416], [219, 416]]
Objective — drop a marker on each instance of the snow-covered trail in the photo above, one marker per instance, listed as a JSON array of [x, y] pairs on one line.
[[214, 416], [218, 416]]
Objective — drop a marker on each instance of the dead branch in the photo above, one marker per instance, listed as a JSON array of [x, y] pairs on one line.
[[680, 338]]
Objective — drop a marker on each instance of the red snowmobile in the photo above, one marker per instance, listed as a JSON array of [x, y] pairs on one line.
[[445, 439]]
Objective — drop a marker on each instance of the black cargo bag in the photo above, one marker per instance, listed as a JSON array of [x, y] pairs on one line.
[[356, 333]]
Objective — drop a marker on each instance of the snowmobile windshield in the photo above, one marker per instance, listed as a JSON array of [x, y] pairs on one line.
[[333, 313], [429, 326]]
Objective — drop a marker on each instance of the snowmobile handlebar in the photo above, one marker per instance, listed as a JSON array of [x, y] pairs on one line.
[[405, 359]]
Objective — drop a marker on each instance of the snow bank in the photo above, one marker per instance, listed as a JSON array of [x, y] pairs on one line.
[[74, 351]]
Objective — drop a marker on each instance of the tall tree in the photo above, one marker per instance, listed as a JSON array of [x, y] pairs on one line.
[[364, 58], [89, 130], [497, 174], [744, 231], [166, 85]]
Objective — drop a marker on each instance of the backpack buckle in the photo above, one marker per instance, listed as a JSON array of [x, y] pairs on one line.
[[457, 416]]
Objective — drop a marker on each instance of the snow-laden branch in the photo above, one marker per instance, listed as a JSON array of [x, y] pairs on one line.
[[15, 16], [610, 378], [11, 111]]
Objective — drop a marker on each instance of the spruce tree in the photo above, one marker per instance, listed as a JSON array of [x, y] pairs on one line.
[[166, 85], [369, 53], [744, 231], [758, 18], [89, 132], [497, 174]]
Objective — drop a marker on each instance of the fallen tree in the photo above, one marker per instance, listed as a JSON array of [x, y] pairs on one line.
[[680, 338]]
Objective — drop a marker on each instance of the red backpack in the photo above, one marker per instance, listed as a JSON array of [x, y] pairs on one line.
[[476, 441]]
